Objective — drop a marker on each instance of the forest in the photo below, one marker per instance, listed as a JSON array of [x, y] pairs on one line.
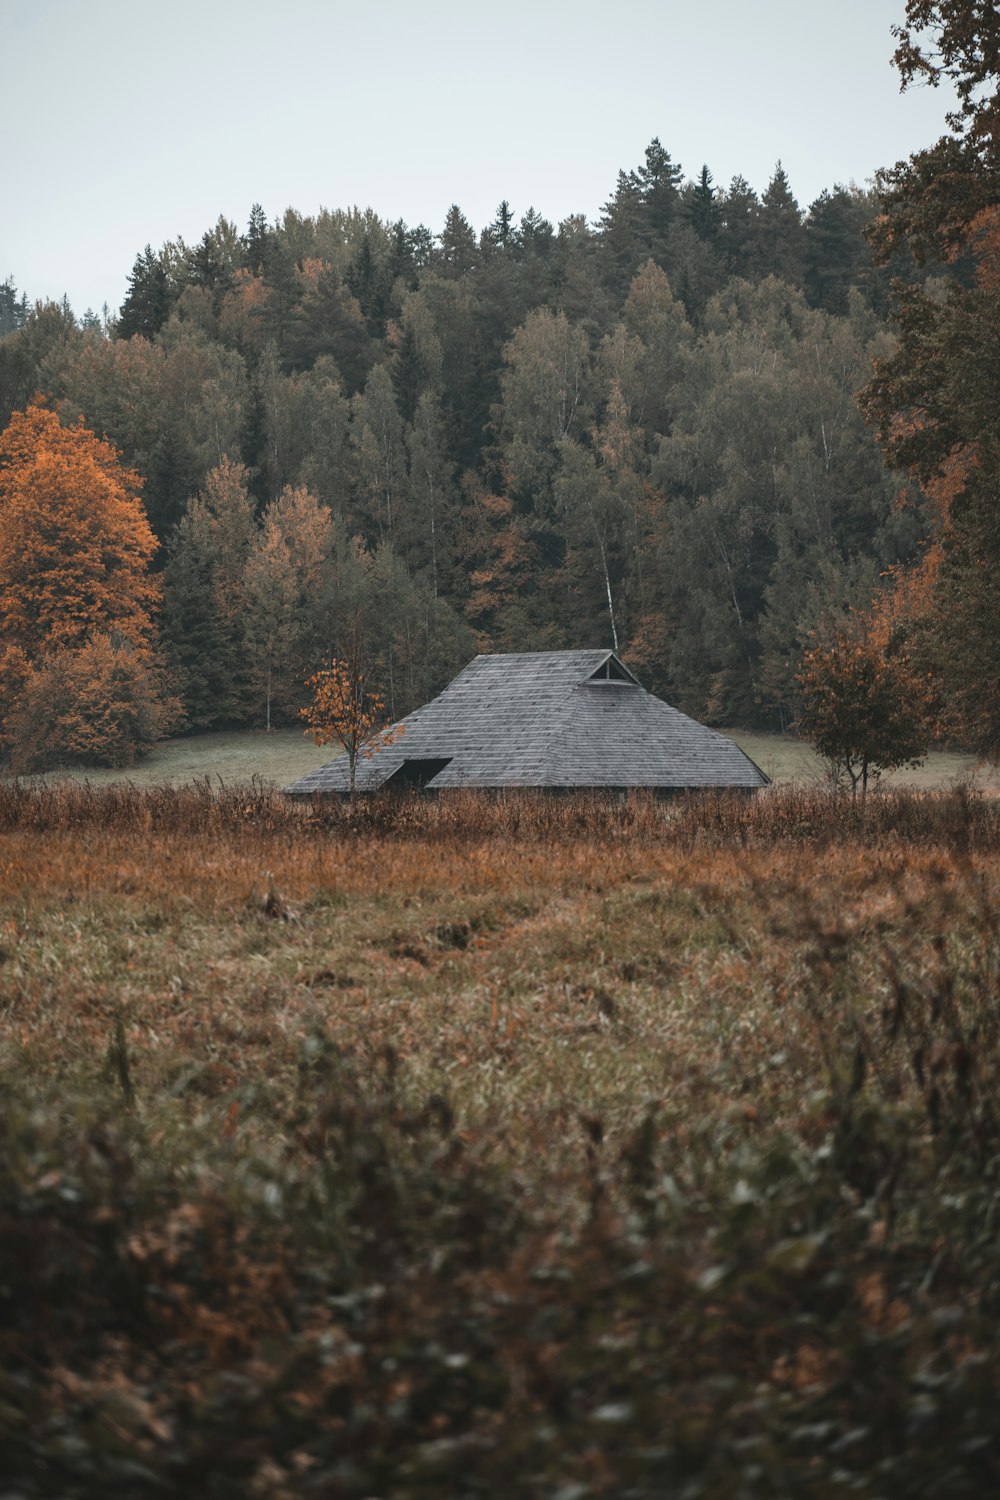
[[752, 447], [640, 433]]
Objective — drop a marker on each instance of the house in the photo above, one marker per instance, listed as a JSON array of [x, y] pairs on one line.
[[558, 720]]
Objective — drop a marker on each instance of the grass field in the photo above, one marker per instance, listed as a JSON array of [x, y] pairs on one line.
[[285, 754], [789, 760], [475, 1148], [279, 757]]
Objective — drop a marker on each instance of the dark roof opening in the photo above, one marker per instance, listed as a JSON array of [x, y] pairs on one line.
[[417, 772], [613, 671]]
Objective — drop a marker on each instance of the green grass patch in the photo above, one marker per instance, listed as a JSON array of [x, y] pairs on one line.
[[280, 756], [790, 761]]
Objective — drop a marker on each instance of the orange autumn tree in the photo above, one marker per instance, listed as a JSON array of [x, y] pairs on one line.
[[346, 708], [95, 704], [75, 548]]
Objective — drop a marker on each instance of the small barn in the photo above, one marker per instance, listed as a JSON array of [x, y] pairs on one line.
[[558, 720]]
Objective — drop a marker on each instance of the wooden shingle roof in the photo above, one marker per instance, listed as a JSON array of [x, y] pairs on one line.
[[556, 719]]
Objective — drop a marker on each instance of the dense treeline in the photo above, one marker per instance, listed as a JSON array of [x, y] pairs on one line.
[[641, 433]]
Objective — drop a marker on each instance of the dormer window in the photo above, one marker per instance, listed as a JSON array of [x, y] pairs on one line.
[[613, 672], [417, 771]]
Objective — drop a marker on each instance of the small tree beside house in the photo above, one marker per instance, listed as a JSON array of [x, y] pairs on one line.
[[347, 709], [867, 707]]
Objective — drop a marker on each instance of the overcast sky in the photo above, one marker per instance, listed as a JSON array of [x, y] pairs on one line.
[[128, 122]]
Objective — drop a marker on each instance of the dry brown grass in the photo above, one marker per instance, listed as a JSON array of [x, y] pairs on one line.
[[491, 1146], [533, 958]]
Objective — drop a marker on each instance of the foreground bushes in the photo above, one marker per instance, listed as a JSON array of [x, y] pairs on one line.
[[653, 1151], [698, 819], [369, 1306]]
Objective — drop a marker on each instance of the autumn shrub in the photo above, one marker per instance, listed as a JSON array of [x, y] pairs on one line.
[[814, 815], [199, 808], [99, 704]]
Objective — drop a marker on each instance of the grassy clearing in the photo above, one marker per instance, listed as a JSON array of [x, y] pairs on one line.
[[492, 1147], [789, 761], [279, 757], [285, 754]]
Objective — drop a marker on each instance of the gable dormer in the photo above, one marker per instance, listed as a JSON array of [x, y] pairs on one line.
[[612, 673]]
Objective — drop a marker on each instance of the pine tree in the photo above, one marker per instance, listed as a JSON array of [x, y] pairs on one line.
[[13, 309], [256, 240], [501, 231], [703, 212], [459, 251], [624, 242], [836, 255], [781, 234], [658, 184], [420, 247], [147, 305]]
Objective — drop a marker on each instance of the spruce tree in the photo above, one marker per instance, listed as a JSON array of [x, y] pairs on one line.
[[192, 630], [13, 309], [704, 214], [370, 278], [459, 251], [256, 240], [501, 231], [534, 233], [658, 184], [204, 624], [624, 244], [782, 237], [147, 305], [738, 229]]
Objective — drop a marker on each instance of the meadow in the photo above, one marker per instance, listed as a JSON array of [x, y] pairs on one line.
[[502, 1146], [282, 755]]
